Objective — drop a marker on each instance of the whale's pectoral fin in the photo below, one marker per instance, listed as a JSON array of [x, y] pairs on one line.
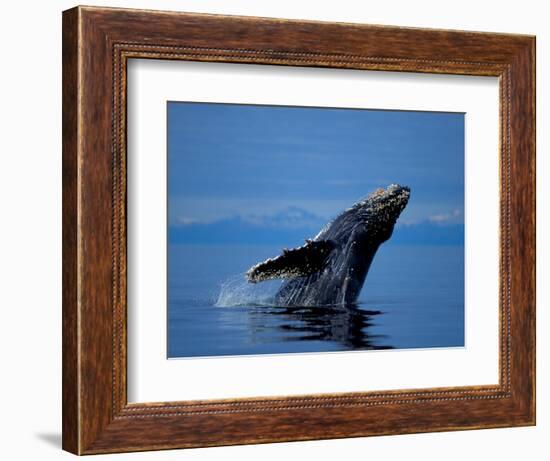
[[297, 262]]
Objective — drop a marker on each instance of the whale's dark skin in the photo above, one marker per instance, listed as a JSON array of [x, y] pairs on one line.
[[331, 268]]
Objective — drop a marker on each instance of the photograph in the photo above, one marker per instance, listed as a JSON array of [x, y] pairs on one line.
[[313, 229]]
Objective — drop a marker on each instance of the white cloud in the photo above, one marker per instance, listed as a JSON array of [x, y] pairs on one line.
[[446, 218]]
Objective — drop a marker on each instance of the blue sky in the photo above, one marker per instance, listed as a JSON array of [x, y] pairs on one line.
[[275, 163]]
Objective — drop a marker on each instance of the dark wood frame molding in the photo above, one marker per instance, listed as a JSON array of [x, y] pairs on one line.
[[97, 43]]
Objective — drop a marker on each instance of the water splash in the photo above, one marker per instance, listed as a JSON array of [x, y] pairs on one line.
[[236, 291]]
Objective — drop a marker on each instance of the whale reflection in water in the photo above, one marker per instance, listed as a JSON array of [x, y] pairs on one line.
[[345, 325]]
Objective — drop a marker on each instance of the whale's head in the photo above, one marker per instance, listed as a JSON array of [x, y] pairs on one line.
[[388, 202], [380, 210]]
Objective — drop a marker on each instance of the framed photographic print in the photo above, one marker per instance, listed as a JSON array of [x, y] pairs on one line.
[[282, 230]]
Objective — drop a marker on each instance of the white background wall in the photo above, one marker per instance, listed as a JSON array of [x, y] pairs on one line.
[[30, 243]]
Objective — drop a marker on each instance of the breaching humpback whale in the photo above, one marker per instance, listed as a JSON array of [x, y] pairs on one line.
[[330, 269]]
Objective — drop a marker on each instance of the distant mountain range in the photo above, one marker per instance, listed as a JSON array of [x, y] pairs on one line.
[[293, 225]]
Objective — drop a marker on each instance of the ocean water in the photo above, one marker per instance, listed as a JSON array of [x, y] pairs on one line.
[[413, 297]]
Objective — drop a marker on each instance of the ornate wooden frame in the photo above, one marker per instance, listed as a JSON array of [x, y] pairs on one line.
[[97, 43]]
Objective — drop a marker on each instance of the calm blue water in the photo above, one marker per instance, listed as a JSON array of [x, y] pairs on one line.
[[413, 298]]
